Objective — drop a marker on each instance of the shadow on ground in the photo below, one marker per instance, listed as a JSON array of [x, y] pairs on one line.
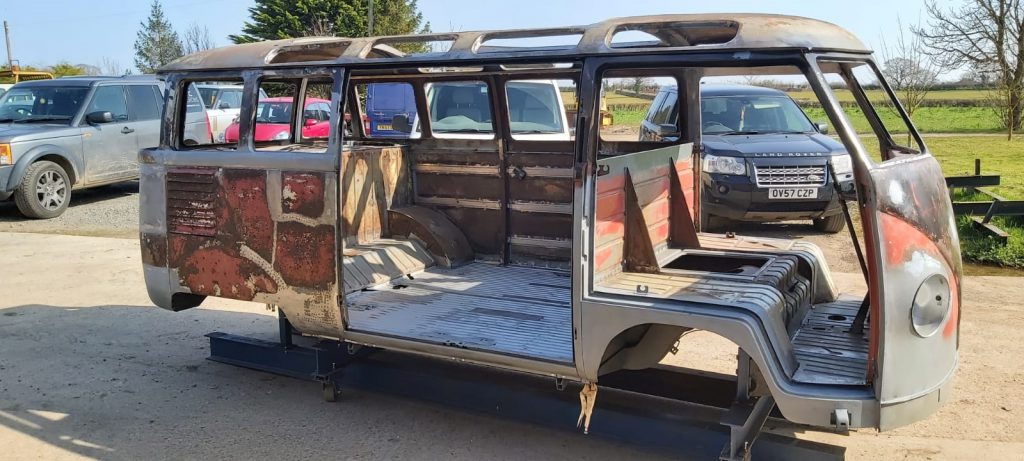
[[132, 382]]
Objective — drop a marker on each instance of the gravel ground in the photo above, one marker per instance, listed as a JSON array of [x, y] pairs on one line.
[[109, 211], [90, 370]]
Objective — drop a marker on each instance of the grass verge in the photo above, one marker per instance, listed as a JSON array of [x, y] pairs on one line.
[[978, 247]]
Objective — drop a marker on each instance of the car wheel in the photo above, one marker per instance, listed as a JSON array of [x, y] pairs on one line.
[[830, 224], [44, 192]]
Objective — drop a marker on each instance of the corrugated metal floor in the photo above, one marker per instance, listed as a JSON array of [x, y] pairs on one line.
[[827, 352], [510, 310]]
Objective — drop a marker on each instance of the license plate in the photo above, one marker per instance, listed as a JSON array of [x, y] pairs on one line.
[[790, 193], [384, 127]]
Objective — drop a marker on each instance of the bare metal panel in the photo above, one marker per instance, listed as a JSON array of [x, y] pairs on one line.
[[827, 352], [510, 310]]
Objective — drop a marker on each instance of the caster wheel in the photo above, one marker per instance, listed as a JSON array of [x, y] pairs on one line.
[[330, 392]]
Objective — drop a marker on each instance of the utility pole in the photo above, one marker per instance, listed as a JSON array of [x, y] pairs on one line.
[[7, 37], [369, 31]]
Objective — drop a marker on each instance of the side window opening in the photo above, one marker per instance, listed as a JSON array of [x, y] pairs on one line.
[[201, 123], [638, 106], [538, 107], [281, 106], [382, 104], [459, 108]]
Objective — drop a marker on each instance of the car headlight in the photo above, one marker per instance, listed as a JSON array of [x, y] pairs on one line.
[[724, 165], [220, 138], [841, 164], [5, 155], [281, 136]]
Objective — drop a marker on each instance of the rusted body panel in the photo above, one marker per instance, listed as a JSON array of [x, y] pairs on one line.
[[254, 235]]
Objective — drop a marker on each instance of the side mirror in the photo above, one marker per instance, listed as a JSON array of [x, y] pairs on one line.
[[666, 130], [99, 117], [310, 121], [822, 127], [400, 122]]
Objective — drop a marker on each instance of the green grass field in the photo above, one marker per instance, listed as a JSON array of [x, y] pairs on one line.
[[877, 95], [998, 156], [926, 119]]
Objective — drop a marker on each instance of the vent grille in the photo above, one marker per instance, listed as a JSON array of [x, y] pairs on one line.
[[790, 175], [191, 202]]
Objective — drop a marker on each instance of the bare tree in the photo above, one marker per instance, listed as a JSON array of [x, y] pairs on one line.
[[984, 34], [111, 67], [197, 38], [637, 84], [908, 68]]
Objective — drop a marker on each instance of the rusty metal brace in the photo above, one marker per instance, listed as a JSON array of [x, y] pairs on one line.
[[588, 395]]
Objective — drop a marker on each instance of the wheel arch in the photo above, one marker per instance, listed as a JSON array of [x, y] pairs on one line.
[[47, 152]]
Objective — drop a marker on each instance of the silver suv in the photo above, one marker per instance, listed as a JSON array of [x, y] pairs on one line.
[[71, 133]]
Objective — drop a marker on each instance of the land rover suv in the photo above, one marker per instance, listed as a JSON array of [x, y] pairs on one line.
[[762, 158], [70, 133]]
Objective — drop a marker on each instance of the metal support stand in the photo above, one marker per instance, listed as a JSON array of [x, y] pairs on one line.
[[666, 409], [747, 415], [322, 362]]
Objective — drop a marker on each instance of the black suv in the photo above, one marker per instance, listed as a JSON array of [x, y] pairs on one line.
[[762, 158]]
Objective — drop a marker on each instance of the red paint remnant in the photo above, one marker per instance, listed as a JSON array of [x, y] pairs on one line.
[[608, 257], [609, 183], [658, 232], [305, 255], [245, 215], [217, 271], [902, 240], [610, 229], [303, 193], [611, 204]]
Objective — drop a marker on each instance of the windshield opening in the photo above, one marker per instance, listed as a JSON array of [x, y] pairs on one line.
[[723, 115], [49, 103]]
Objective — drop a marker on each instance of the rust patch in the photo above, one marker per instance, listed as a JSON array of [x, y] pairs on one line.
[[217, 271], [298, 247], [303, 193], [246, 214], [154, 250]]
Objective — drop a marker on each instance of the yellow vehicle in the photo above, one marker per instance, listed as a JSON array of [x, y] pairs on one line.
[[19, 75]]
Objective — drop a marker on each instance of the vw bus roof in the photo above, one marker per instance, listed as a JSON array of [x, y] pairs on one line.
[[683, 32]]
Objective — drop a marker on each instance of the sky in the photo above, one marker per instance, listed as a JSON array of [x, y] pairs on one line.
[[93, 31]]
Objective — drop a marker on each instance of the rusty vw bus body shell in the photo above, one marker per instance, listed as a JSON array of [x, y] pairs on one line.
[[570, 259]]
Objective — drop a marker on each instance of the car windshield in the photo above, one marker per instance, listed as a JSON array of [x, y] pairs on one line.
[[42, 103], [724, 115], [274, 112]]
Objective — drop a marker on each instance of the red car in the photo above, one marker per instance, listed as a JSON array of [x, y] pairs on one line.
[[274, 114]]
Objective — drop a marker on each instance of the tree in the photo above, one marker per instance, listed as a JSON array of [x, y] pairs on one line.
[[910, 71], [110, 66], [278, 19], [65, 69], [637, 84], [987, 35], [157, 43], [197, 38]]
